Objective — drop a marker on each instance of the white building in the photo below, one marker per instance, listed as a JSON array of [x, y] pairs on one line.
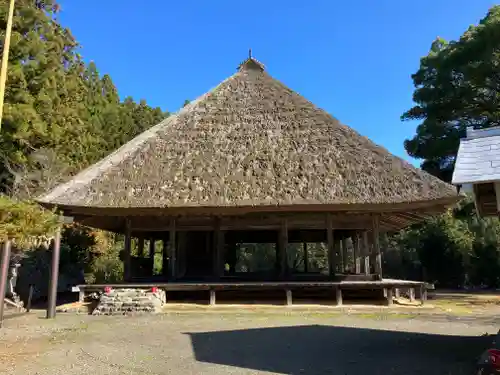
[[477, 168]]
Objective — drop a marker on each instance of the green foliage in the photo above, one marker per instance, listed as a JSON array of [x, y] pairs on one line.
[[60, 116], [456, 249], [456, 86], [24, 222]]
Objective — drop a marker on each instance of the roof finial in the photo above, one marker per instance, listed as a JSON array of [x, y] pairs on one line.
[[251, 63]]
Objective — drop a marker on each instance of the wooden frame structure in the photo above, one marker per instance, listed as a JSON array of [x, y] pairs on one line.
[[251, 162]]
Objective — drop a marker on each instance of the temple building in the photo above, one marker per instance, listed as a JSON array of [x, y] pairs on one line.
[[251, 162]]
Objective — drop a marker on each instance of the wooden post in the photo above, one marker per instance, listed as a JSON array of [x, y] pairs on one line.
[[345, 255], [212, 297], [306, 258], [4, 270], [376, 246], [411, 293], [331, 245], [140, 247], [288, 297], [423, 293], [339, 256], [152, 251], [282, 245], [127, 251], [389, 294], [356, 242], [338, 296], [172, 250], [366, 254], [164, 258], [218, 254], [54, 276]]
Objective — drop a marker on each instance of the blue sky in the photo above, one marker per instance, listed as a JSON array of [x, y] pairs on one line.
[[352, 58]]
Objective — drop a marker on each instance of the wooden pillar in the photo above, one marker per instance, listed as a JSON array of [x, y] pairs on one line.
[[140, 247], [339, 255], [338, 296], [377, 256], [164, 258], [127, 251], [306, 258], [282, 246], [288, 297], [172, 250], [218, 254], [366, 254], [4, 270], [152, 251], [389, 295], [356, 243], [232, 256], [345, 255], [212, 297], [54, 276], [331, 245]]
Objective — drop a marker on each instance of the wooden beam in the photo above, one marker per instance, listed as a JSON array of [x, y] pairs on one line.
[[331, 245], [376, 245], [435, 204], [127, 251], [172, 250]]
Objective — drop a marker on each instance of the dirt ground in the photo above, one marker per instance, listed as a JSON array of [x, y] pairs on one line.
[[243, 340]]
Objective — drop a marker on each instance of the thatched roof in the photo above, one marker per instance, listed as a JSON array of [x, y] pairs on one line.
[[251, 141]]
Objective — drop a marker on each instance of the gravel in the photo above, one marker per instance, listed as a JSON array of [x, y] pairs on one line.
[[232, 343]]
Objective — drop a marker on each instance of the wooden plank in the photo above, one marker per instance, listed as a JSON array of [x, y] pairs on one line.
[[127, 251], [331, 245], [172, 250], [356, 242]]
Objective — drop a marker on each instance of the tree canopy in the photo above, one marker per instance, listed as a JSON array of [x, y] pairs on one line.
[[60, 115], [456, 86]]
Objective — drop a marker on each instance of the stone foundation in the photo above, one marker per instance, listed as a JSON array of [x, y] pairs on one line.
[[130, 301]]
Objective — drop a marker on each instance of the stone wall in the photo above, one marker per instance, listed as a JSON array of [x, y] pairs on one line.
[[130, 301]]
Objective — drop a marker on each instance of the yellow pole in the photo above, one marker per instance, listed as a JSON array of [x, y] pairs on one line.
[[5, 58]]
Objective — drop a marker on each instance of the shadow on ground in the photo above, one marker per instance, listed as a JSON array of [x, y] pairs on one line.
[[318, 349]]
